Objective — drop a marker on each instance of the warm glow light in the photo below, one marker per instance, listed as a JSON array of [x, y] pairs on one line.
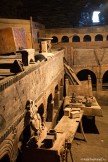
[[95, 17]]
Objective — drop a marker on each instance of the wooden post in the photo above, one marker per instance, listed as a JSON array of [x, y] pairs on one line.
[[31, 29]]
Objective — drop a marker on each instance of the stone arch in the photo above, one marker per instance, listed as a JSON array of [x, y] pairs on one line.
[[54, 40], [6, 152], [65, 39], [41, 111], [105, 81], [76, 38], [56, 88], [83, 75], [49, 110], [87, 38], [5, 158], [99, 37]]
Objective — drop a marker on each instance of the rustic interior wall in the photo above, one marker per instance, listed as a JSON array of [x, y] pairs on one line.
[[81, 54], [32, 29], [37, 82]]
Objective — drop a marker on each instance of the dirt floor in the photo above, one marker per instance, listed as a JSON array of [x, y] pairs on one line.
[[96, 147]]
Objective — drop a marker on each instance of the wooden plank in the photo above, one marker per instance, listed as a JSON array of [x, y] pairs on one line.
[[69, 126]]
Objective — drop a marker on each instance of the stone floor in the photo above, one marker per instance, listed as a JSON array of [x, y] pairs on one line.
[[96, 148]]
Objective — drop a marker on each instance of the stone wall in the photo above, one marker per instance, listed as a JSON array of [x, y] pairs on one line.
[[37, 82], [84, 54]]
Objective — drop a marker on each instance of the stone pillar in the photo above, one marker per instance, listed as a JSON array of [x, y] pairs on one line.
[[50, 109], [89, 86], [61, 92], [59, 38], [93, 38], [99, 84], [67, 87], [56, 99], [104, 37], [81, 38], [70, 39], [72, 57]]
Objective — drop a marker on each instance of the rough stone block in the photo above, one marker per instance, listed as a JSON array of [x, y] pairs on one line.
[[27, 56]]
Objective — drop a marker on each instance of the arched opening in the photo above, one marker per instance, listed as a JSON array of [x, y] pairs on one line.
[[105, 81], [41, 111], [107, 38], [83, 75], [54, 40], [61, 82], [65, 39], [5, 159], [56, 89], [87, 38], [56, 97], [49, 113], [76, 38], [99, 37]]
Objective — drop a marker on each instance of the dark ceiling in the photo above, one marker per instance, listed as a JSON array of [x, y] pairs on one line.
[[56, 13]]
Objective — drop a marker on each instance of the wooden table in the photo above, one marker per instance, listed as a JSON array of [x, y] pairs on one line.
[[66, 130], [93, 110], [70, 126]]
